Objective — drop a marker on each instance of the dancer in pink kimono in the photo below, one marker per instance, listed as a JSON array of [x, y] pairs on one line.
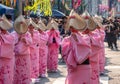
[[95, 47], [101, 32], [43, 49], [34, 49], [7, 56], [94, 59], [76, 51], [53, 48], [102, 57], [43, 53], [22, 52]]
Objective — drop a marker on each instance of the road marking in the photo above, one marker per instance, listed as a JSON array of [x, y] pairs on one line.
[[35, 80], [104, 80], [60, 81], [112, 67]]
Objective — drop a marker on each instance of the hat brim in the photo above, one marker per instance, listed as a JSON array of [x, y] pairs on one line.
[[97, 22], [42, 26], [76, 22], [5, 24], [20, 25], [20, 28], [91, 24], [31, 22], [52, 24]]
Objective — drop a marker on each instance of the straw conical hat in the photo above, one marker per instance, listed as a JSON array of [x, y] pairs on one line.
[[76, 21], [20, 25], [31, 22], [52, 24], [5, 24], [97, 22], [91, 25], [99, 18], [111, 18], [85, 13], [41, 25]]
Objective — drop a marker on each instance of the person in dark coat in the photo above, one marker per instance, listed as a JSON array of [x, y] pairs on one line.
[[113, 36], [107, 31]]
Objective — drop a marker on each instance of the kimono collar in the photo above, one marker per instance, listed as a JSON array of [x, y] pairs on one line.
[[87, 31], [40, 31], [52, 29], [3, 31], [73, 30]]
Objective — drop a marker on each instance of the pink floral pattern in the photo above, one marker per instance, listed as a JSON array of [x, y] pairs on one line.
[[102, 51], [43, 52], [74, 53], [22, 61], [7, 59], [96, 45], [34, 54], [53, 49]]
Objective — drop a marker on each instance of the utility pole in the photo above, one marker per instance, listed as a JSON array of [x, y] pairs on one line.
[[20, 7]]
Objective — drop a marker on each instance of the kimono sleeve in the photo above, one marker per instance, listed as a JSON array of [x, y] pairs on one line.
[[8, 38], [7, 46], [65, 48], [67, 53], [28, 38], [95, 40]]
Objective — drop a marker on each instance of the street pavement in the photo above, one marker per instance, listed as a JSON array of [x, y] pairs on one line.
[[113, 64], [112, 70]]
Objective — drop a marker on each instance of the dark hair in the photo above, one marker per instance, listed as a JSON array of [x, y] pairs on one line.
[[9, 17]]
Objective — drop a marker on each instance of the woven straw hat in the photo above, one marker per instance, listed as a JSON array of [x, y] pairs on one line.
[[111, 18], [91, 25], [31, 22], [5, 24], [41, 25], [20, 25], [52, 24], [99, 18], [75, 21], [98, 22]]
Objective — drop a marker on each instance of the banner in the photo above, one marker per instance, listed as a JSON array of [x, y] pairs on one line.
[[41, 5], [8, 3]]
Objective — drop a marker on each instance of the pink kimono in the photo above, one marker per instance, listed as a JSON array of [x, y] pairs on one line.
[[53, 49], [75, 54], [102, 51], [94, 58], [34, 54], [22, 59], [43, 52], [7, 58]]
